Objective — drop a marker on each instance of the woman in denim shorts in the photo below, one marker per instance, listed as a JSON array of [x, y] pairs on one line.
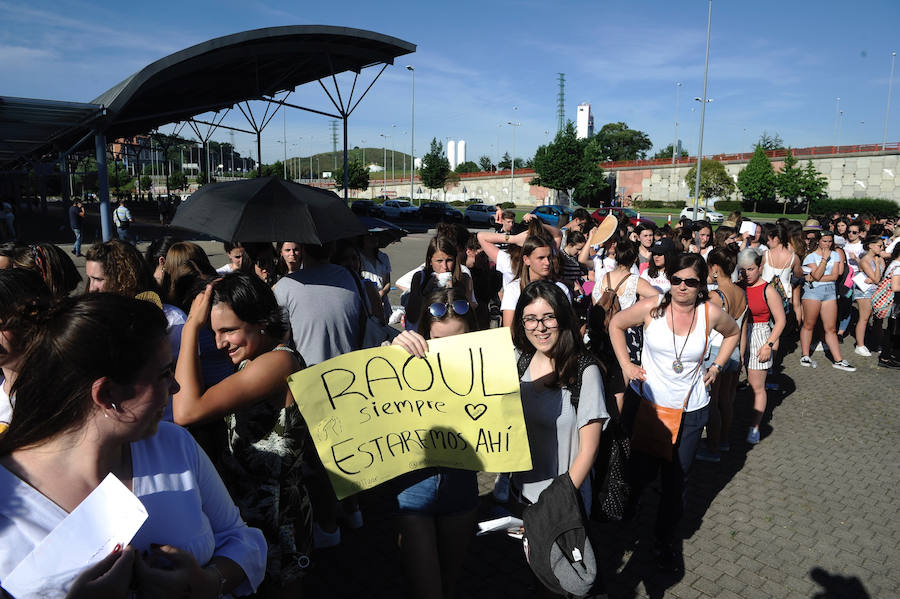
[[436, 507], [872, 266], [822, 267]]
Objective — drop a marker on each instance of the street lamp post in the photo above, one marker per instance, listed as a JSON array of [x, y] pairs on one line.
[[675, 143], [393, 133], [284, 140], [702, 113], [384, 162], [412, 136], [837, 142], [837, 114], [887, 112], [512, 160]]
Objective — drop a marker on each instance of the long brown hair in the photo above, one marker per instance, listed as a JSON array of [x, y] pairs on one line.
[[72, 342]]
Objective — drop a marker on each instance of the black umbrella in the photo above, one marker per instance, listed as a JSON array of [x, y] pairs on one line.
[[268, 209], [386, 232]]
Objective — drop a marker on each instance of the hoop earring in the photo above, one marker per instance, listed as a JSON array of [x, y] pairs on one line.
[[114, 407]]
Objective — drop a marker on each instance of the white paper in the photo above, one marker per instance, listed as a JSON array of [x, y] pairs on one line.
[[111, 515], [748, 227], [499, 524]]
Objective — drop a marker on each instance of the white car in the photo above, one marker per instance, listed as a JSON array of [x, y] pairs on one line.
[[399, 209], [480, 214], [712, 216]]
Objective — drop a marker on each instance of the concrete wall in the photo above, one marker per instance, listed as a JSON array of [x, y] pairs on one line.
[[869, 174]]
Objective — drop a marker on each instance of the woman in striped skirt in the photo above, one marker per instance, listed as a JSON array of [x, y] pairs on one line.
[[765, 306]]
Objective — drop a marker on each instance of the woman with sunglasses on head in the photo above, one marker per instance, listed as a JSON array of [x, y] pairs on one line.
[[671, 374], [563, 433], [262, 461], [442, 270], [765, 305], [83, 415], [822, 267], [436, 507], [871, 266]]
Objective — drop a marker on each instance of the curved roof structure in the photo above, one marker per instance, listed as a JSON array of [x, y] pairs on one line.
[[209, 76], [250, 65]]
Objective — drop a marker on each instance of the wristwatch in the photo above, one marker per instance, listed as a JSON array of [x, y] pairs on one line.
[[506, 239], [771, 344], [717, 366]]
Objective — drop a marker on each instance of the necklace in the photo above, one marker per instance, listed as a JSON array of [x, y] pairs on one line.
[[677, 366]]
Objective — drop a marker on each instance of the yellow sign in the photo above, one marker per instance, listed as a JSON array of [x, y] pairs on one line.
[[377, 413]]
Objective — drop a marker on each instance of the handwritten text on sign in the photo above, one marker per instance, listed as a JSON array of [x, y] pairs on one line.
[[378, 413]]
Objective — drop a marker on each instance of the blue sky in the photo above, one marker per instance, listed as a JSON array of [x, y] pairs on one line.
[[774, 66]]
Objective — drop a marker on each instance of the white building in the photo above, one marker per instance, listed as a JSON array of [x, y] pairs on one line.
[[584, 122], [451, 154], [460, 152]]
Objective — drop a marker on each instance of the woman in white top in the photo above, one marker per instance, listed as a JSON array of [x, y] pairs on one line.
[[671, 374], [823, 267], [780, 260], [82, 415], [662, 251], [871, 265], [538, 263]]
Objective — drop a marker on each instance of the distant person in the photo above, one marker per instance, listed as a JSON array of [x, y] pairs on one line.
[[235, 253], [8, 218], [123, 221], [76, 223]]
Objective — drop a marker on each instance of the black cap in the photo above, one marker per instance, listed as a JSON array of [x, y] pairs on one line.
[[662, 246]]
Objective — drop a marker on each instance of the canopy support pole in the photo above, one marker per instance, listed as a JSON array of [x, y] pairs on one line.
[[103, 185]]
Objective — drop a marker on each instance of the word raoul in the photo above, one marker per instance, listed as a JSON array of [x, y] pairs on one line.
[[378, 413]]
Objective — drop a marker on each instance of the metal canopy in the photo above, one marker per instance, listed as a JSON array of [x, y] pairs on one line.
[[251, 65], [216, 74], [28, 127]]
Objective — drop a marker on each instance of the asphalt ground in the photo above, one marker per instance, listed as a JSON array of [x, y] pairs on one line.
[[812, 511]]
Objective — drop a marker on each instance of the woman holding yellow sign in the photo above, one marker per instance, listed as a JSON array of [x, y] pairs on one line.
[[436, 506]]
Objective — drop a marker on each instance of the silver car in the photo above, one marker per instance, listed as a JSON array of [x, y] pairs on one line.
[[399, 209], [479, 214]]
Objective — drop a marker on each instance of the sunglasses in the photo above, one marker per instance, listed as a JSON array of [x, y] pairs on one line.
[[439, 310], [693, 283]]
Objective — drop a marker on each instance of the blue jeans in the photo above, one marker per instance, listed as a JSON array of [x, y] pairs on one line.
[[437, 492], [673, 475], [77, 248], [125, 234]]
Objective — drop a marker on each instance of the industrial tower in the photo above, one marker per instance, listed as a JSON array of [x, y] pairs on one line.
[[561, 103], [334, 142]]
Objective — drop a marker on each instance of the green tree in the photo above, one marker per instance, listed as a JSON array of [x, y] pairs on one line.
[[571, 163], [435, 166], [770, 142], [358, 176], [178, 180], [789, 181], [667, 153], [715, 182], [486, 163], [467, 167], [618, 142], [505, 161], [814, 185], [146, 182], [757, 179], [118, 175]]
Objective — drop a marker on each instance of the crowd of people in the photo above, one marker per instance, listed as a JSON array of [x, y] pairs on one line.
[[612, 324]]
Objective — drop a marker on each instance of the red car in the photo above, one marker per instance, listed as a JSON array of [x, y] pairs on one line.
[[620, 213]]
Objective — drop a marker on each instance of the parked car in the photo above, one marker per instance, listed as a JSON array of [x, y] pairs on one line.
[[399, 209], [439, 211], [479, 214], [366, 208], [710, 216], [621, 213], [551, 214]]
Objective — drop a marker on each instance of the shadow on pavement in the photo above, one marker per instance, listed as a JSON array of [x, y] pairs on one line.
[[835, 586]]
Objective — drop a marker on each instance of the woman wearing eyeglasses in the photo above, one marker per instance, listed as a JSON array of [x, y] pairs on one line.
[[436, 506], [564, 435], [671, 375]]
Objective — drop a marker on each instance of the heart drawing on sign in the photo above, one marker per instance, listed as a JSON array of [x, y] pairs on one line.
[[475, 410]]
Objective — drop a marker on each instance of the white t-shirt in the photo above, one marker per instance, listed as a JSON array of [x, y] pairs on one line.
[[405, 281], [504, 266], [227, 269], [6, 406], [187, 506], [854, 251], [660, 282], [513, 289]]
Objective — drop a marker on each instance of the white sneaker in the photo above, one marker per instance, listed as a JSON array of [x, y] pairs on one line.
[[844, 365], [396, 315], [808, 362], [862, 350], [819, 347]]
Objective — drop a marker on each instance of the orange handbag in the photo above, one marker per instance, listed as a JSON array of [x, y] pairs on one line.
[[656, 427]]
